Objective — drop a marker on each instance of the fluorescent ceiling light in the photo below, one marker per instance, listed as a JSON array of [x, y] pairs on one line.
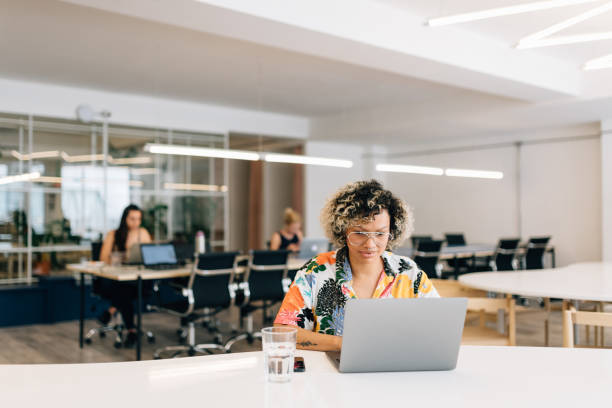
[[130, 160], [400, 168], [299, 159], [143, 171], [474, 173], [201, 152], [599, 63], [82, 157], [564, 40], [20, 177], [195, 187], [45, 179], [535, 38], [35, 155], [504, 11]]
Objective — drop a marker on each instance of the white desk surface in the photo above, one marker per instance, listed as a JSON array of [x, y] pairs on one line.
[[485, 377], [581, 281]]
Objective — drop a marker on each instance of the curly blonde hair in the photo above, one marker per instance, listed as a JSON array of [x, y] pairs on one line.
[[357, 203]]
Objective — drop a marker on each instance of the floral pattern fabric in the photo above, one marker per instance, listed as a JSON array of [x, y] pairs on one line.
[[316, 298]]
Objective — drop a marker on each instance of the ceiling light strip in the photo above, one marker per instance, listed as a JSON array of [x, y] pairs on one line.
[[400, 168], [564, 40], [474, 173], [194, 187], [201, 152], [555, 28], [19, 178], [299, 159], [598, 63], [504, 11]]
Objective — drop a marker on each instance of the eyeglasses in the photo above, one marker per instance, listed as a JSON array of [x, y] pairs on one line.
[[359, 238]]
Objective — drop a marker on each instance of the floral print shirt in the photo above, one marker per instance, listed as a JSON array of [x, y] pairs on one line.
[[316, 298]]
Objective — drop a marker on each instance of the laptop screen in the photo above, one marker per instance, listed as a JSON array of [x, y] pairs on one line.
[[158, 254]]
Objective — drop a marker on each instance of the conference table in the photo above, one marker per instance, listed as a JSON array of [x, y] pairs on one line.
[[485, 377], [589, 281], [139, 274]]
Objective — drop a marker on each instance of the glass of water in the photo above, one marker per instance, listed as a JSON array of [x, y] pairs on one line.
[[279, 349]]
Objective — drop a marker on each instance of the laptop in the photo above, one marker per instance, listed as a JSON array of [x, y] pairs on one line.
[[311, 247], [158, 256], [184, 251], [401, 335]]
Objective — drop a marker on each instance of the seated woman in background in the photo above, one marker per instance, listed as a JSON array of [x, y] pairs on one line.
[[363, 220], [290, 236], [123, 294]]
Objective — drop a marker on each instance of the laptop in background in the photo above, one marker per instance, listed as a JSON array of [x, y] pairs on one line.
[[184, 252], [158, 256], [311, 247], [401, 335]]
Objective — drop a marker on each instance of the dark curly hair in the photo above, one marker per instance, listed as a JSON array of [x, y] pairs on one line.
[[358, 203]]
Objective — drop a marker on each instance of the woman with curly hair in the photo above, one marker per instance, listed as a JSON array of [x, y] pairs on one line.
[[365, 222]]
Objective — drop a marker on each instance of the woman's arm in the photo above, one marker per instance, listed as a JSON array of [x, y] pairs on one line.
[[107, 247], [275, 241], [309, 340]]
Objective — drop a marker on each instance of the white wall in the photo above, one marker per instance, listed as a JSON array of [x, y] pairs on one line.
[[560, 195], [321, 182], [21, 97], [484, 210], [606, 183]]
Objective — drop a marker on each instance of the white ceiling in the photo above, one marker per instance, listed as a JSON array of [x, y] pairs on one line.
[[72, 45], [288, 61]]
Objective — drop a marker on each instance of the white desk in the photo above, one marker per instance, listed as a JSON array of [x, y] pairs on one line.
[[485, 377], [583, 281], [591, 281]]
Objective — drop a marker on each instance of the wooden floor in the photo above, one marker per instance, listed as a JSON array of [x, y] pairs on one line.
[[58, 343]]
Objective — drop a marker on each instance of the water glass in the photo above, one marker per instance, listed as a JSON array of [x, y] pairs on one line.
[[279, 349]]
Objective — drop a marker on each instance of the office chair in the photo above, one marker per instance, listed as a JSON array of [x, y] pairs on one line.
[[209, 290], [534, 257], [101, 288], [454, 239], [504, 258], [427, 256], [266, 281], [414, 239]]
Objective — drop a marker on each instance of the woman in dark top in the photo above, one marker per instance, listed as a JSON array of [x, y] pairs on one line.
[[290, 236], [123, 294]]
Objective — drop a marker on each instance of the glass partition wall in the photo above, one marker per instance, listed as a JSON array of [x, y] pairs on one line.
[[58, 193]]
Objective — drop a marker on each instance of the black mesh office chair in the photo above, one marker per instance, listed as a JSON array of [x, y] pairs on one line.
[[414, 239], [427, 256], [209, 290], [454, 239], [101, 288], [264, 284], [504, 258], [534, 257]]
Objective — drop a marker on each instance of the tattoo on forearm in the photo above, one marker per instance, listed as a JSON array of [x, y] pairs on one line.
[[306, 344]]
